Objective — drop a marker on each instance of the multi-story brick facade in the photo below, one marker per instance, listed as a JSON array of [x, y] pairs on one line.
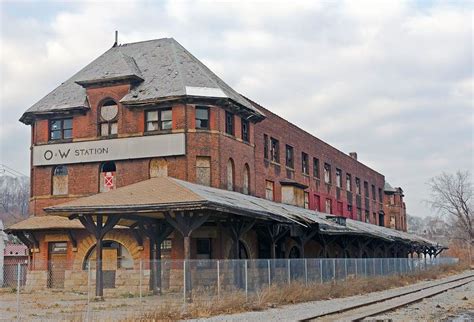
[[151, 109]]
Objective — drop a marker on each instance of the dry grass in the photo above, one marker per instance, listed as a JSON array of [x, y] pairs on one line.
[[236, 302]]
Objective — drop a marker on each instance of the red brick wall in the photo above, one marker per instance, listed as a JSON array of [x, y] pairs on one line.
[[397, 210], [84, 178], [301, 141]]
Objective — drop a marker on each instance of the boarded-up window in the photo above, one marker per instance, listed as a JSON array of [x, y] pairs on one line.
[[203, 170], [246, 184], [60, 180], [317, 203], [107, 176], [158, 168], [327, 173], [269, 187], [328, 206], [230, 175]]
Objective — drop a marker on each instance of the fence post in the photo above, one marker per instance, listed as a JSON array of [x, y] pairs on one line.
[[334, 269], [88, 291], [141, 273], [321, 270], [18, 277], [306, 272], [246, 281], [345, 268], [269, 274], [289, 273], [184, 282], [356, 260], [218, 280]]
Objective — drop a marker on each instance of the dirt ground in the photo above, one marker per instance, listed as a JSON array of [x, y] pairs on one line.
[[69, 306], [453, 305]]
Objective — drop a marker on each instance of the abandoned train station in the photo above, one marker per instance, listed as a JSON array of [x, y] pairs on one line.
[[146, 154]]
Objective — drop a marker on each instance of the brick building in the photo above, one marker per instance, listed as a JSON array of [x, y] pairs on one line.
[[151, 110]]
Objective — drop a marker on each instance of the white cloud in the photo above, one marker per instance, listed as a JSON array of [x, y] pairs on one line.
[[389, 79]]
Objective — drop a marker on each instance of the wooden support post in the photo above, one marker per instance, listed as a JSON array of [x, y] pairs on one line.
[[99, 281], [237, 228], [99, 230], [186, 224], [72, 239], [305, 236], [363, 245], [24, 239], [157, 232], [275, 233]]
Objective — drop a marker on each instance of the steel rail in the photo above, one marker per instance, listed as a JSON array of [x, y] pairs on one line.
[[374, 307]]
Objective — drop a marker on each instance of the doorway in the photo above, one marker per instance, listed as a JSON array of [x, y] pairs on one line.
[[57, 256]]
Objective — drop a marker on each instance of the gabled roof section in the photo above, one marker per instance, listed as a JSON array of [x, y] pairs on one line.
[[161, 70]]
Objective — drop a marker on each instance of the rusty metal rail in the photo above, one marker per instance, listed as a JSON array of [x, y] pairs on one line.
[[388, 303]]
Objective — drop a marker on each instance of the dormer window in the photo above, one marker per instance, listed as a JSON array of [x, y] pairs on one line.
[[108, 118], [60, 129]]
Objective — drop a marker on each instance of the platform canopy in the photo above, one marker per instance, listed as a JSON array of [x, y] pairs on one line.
[[155, 197]]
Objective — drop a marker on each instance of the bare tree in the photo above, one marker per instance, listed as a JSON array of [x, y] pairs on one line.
[[452, 196]]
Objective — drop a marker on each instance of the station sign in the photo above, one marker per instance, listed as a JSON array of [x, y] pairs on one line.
[[110, 149]]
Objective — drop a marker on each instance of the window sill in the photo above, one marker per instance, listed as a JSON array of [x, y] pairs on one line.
[[60, 141], [106, 137], [60, 196], [157, 132]]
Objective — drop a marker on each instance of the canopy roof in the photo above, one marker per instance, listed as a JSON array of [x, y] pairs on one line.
[[155, 196], [45, 223], [50, 222], [159, 70]]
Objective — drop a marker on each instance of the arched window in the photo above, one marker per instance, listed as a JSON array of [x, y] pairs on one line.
[[108, 118], [60, 180], [114, 254], [230, 175], [246, 183], [158, 168], [107, 176]]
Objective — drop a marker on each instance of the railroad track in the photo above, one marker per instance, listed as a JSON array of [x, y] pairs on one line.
[[388, 303]]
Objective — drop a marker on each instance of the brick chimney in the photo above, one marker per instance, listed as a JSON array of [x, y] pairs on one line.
[[353, 155]]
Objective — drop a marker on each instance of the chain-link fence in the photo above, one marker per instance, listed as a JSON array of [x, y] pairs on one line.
[[65, 291]]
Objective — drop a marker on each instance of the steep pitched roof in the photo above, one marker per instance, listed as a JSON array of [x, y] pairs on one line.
[[162, 69]]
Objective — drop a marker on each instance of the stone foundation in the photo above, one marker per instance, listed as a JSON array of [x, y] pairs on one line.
[[36, 280]]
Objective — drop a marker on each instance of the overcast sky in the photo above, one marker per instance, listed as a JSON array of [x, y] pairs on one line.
[[392, 80]]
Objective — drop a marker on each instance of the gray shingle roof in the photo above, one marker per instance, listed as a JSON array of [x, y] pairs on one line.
[[168, 193], [167, 69]]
